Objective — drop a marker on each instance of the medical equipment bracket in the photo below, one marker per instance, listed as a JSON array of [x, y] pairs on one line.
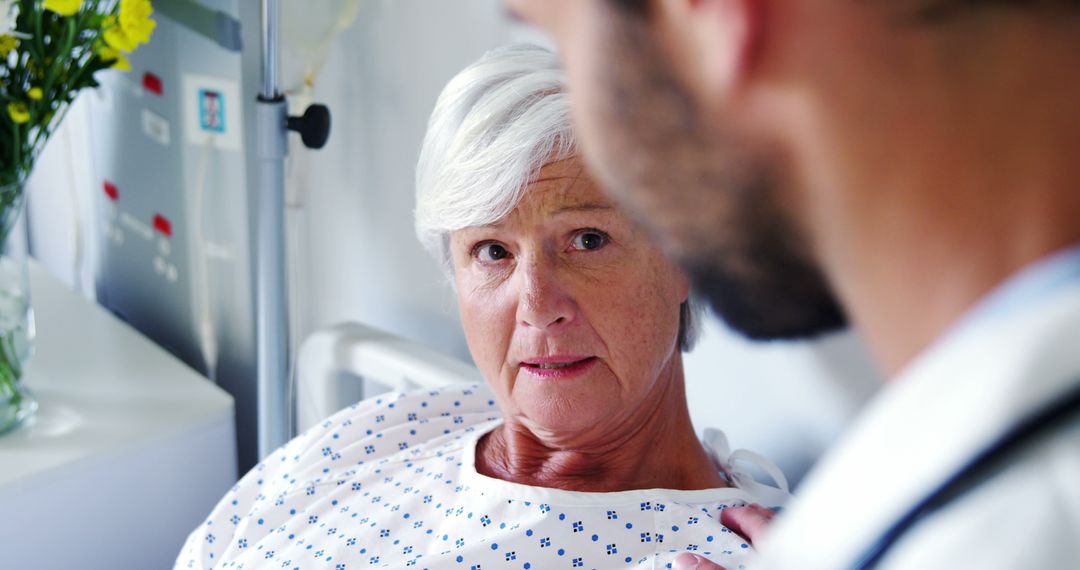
[[272, 318], [215, 25]]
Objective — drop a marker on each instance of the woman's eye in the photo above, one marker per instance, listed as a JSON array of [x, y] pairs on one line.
[[589, 240], [491, 252]]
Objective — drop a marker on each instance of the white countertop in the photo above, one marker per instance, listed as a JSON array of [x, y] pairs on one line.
[[128, 452], [102, 387]]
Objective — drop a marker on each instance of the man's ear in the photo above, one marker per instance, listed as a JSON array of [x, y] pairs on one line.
[[683, 285], [714, 43]]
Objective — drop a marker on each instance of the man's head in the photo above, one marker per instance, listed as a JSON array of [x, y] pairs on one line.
[[751, 134]]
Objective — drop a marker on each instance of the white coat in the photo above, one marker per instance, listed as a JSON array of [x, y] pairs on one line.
[[1016, 351]]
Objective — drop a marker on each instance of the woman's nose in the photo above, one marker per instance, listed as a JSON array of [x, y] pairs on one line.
[[544, 301]]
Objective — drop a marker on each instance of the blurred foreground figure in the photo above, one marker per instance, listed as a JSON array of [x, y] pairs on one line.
[[911, 167]]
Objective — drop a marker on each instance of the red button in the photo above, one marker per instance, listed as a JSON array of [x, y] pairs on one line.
[[111, 191], [152, 83], [163, 225]]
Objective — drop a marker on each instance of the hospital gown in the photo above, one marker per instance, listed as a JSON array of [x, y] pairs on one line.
[[391, 483]]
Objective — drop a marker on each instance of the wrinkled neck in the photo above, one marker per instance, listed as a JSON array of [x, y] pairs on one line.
[[653, 447]]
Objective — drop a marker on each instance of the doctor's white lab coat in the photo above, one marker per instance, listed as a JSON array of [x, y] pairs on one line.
[[1016, 351]]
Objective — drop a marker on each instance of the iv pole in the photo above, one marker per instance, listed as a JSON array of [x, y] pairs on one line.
[[272, 318]]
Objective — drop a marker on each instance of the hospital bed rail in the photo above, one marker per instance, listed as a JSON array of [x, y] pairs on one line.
[[341, 364]]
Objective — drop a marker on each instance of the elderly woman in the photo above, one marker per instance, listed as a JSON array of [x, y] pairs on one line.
[[579, 451]]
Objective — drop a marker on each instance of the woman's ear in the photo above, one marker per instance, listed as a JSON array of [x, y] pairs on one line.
[[713, 43]]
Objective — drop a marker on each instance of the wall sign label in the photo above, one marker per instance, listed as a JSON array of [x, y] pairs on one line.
[[212, 112]]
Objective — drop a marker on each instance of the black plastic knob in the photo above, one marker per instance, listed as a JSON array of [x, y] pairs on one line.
[[313, 126]]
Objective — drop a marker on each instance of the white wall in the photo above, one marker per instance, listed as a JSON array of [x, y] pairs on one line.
[[785, 400]]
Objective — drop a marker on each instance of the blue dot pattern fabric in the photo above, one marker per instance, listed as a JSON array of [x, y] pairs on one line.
[[391, 483]]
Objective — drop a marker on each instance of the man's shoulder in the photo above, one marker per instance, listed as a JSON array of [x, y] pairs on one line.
[[1027, 516], [952, 403]]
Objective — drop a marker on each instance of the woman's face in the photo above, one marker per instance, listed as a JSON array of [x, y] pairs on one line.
[[570, 311]]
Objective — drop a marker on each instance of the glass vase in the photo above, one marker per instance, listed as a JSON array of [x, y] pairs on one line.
[[17, 404]]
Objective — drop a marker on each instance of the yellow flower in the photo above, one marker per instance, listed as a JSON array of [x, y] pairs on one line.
[[136, 21], [132, 27], [122, 63], [8, 43], [64, 7], [105, 52], [19, 112], [115, 37], [35, 94]]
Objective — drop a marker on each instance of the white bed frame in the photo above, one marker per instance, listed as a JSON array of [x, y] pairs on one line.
[[342, 364]]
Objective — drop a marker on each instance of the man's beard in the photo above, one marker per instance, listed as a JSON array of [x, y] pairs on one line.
[[712, 197], [774, 296]]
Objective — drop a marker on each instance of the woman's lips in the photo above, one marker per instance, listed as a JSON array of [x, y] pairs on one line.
[[559, 368]]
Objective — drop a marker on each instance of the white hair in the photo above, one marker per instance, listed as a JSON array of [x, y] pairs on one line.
[[494, 126]]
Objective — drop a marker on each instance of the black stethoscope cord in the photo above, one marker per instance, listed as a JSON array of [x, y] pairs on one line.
[[988, 463]]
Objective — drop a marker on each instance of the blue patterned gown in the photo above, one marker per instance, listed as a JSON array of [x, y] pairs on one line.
[[391, 483]]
